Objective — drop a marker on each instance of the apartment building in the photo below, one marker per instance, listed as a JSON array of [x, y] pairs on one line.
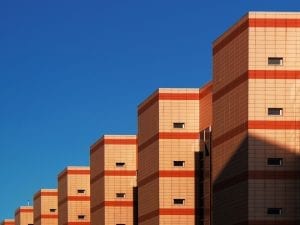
[[168, 149], [45, 205], [256, 114], [74, 196], [24, 215], [113, 180]]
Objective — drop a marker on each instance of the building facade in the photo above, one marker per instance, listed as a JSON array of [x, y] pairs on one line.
[[256, 114], [24, 215], [113, 180], [168, 149], [45, 205], [74, 196]]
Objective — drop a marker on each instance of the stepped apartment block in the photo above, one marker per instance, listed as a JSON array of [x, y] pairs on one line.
[[24, 215], [113, 180], [45, 210], [168, 145], [256, 121], [227, 153], [74, 196]]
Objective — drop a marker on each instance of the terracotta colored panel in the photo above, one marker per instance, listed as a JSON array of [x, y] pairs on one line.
[[287, 125], [74, 172]]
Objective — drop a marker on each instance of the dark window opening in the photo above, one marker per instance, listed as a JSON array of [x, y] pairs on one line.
[[275, 111], [179, 163], [274, 211], [120, 164], [81, 217], [120, 195], [52, 210], [275, 60], [178, 201], [275, 161], [178, 125], [80, 191]]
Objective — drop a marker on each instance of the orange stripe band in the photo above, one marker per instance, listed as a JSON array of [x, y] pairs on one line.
[[46, 216], [23, 211], [45, 193], [110, 141], [78, 223], [255, 22], [113, 173], [73, 172], [256, 74], [112, 204], [75, 198], [167, 96], [167, 212], [168, 135], [166, 173]]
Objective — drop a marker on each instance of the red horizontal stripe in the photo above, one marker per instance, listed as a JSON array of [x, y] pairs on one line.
[[256, 175], [176, 173], [23, 211], [112, 141], [286, 125], [73, 172], [274, 74], [113, 173], [75, 198], [167, 212], [204, 91], [166, 173], [78, 223], [45, 193], [254, 22], [231, 36], [168, 135], [8, 223], [46, 216], [270, 22], [167, 96], [112, 204], [230, 134]]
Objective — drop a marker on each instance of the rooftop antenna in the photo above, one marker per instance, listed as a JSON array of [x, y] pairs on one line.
[[28, 203]]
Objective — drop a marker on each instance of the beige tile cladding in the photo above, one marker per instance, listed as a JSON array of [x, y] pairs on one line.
[[71, 203], [24, 215], [45, 207], [156, 155], [107, 179], [245, 86]]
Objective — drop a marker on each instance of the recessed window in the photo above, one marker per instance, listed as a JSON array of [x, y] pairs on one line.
[[275, 61], [274, 211], [178, 125], [275, 161], [178, 163], [178, 201], [81, 217], [120, 164], [52, 210], [275, 111], [81, 191], [120, 195], [120, 224]]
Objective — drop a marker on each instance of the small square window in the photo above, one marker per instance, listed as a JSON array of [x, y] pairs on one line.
[[120, 164], [178, 125], [178, 201], [81, 217], [52, 210], [120, 195], [178, 163], [275, 161], [274, 61], [275, 111], [274, 211], [81, 191]]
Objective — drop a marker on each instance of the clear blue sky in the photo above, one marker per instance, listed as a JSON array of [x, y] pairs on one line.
[[71, 71]]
